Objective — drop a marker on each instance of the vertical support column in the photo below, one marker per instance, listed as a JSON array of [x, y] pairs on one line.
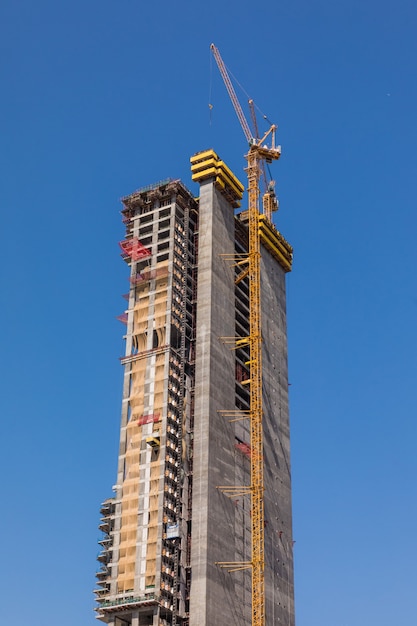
[[179, 544], [156, 620], [212, 598]]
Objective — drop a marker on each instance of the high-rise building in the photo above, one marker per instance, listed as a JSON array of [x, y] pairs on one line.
[[177, 517]]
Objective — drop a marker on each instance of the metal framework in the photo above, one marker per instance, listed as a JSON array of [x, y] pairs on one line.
[[258, 151], [133, 249]]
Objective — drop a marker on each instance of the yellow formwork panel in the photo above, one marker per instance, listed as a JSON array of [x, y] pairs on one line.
[[204, 165], [236, 182], [275, 243], [218, 171], [207, 164], [284, 263], [273, 233], [204, 154], [210, 157], [231, 179], [232, 186], [206, 172]]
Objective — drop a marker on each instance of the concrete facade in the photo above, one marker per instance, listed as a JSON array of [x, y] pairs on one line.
[[170, 525], [212, 590], [279, 577]]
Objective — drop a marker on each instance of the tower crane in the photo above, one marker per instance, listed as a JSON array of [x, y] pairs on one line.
[[257, 154], [269, 199]]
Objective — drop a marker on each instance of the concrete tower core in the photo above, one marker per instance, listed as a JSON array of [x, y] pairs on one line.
[[184, 439]]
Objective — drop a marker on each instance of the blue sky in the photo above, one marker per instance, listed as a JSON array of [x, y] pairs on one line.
[[100, 98]]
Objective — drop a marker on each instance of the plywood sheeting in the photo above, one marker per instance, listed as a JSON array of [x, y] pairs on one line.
[[141, 482]]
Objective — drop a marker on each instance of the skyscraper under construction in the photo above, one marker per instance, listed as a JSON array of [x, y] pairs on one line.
[[176, 543]]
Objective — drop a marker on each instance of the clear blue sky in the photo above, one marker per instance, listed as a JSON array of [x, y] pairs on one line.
[[100, 98]]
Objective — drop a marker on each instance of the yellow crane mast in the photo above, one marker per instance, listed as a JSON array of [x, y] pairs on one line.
[[258, 153]]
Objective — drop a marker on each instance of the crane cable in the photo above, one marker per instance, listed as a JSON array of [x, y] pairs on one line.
[[210, 87], [210, 105]]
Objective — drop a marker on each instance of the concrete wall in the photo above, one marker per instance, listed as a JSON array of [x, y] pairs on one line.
[[212, 589], [219, 598], [279, 584]]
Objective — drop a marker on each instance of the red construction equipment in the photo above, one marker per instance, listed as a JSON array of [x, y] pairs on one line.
[[133, 249]]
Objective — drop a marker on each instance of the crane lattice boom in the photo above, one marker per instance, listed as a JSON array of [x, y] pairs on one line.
[[231, 91]]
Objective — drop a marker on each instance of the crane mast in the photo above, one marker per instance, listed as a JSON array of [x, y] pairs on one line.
[[257, 153]]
